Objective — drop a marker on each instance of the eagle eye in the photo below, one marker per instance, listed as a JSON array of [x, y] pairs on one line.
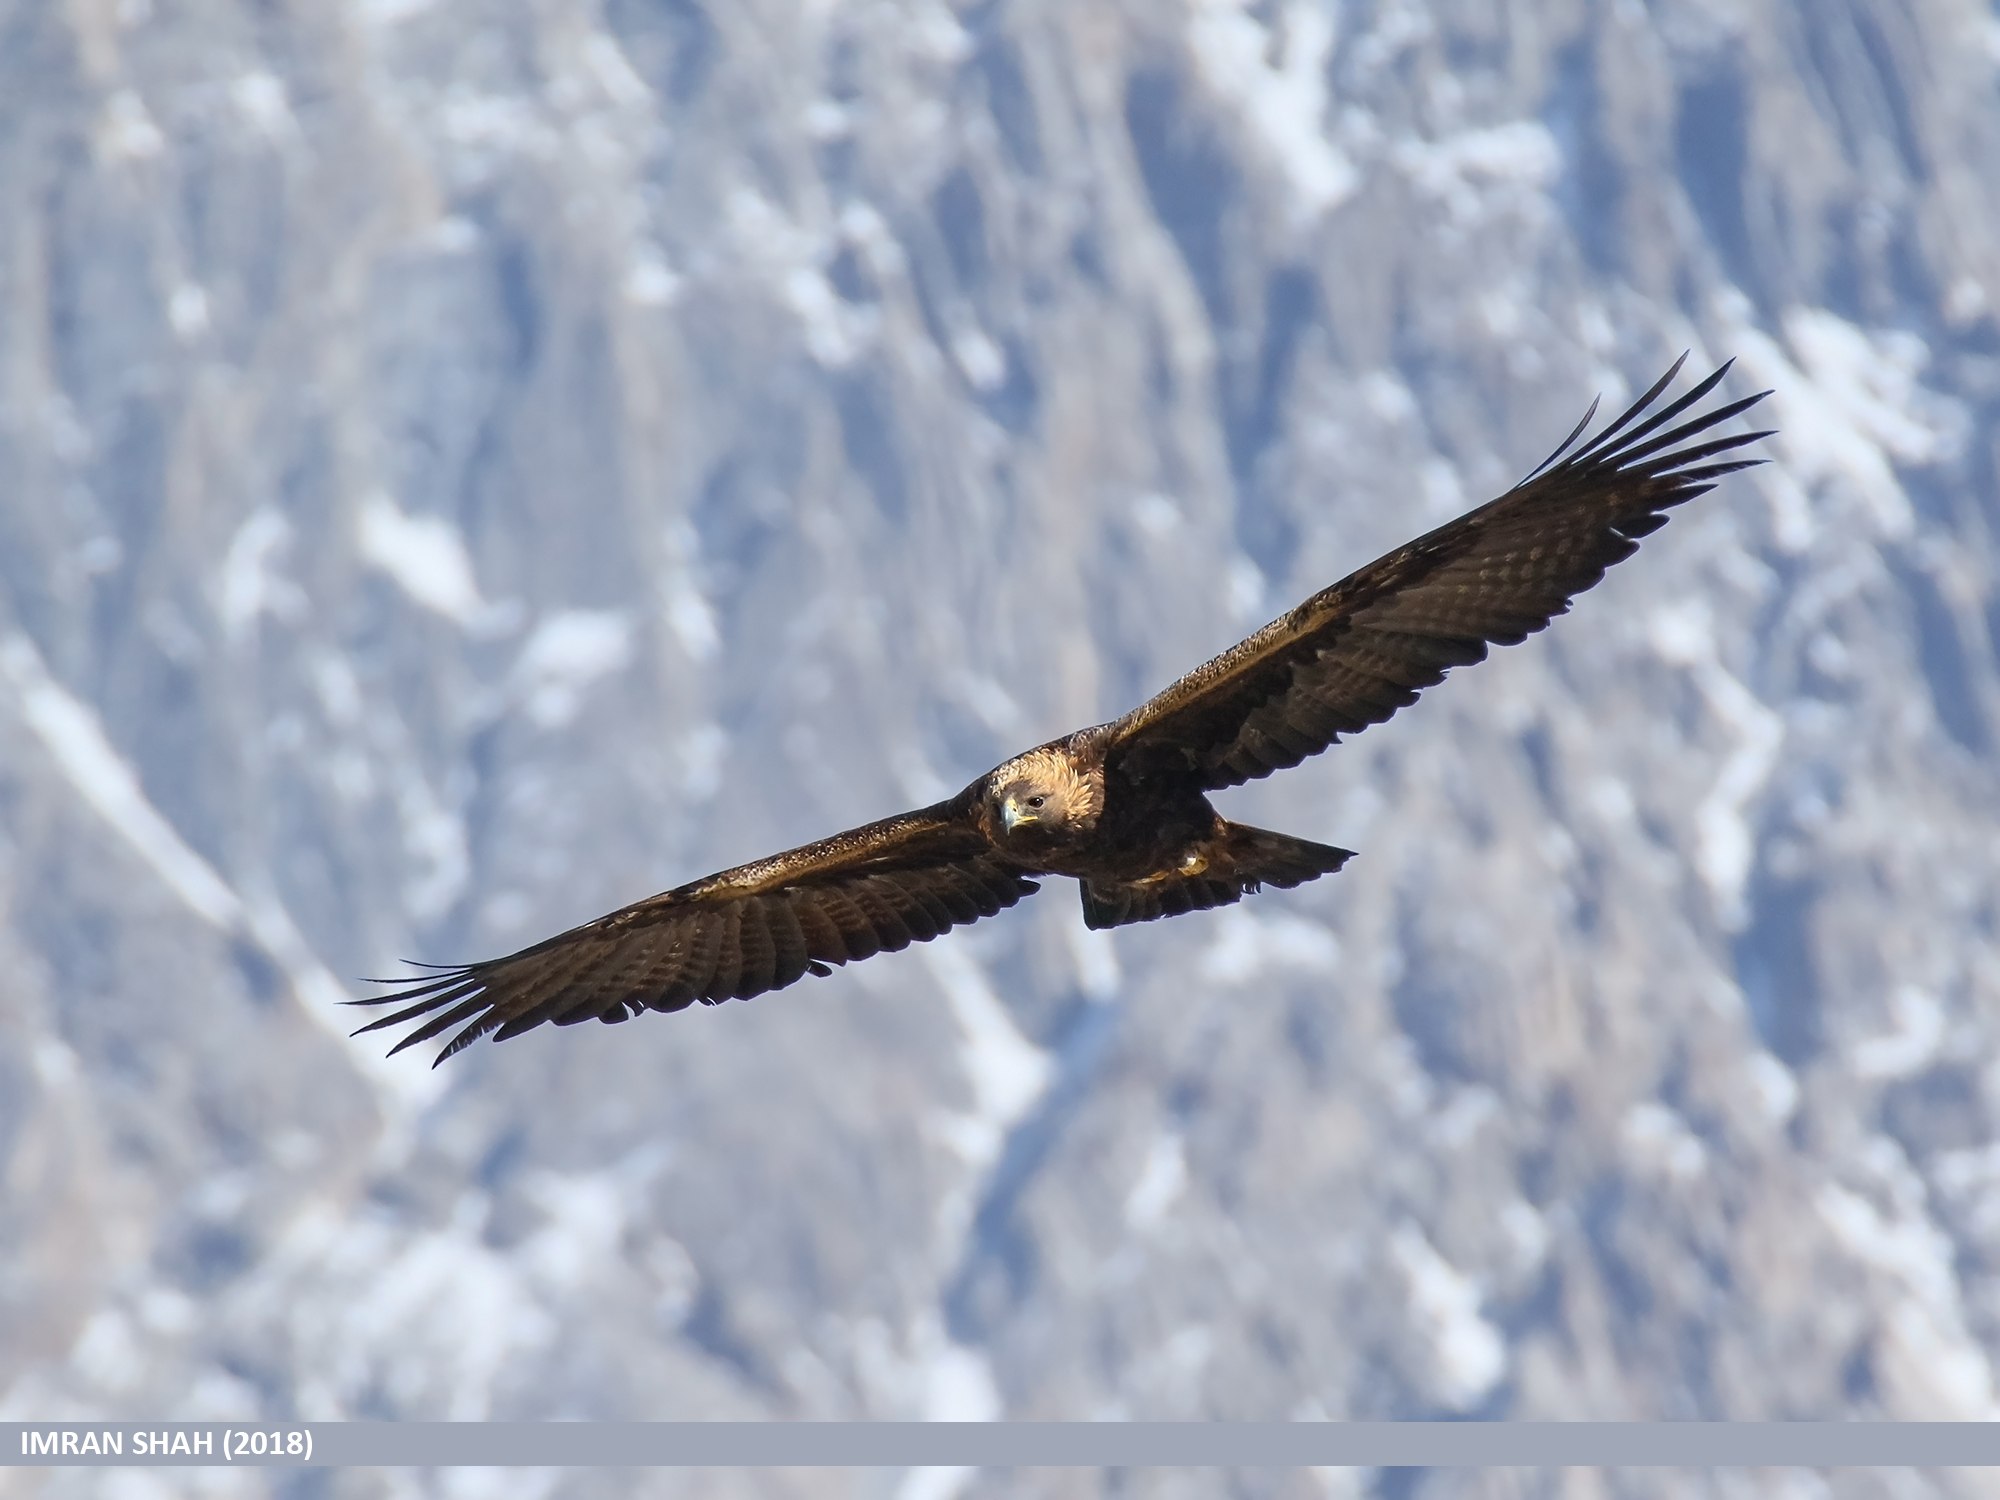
[[1037, 800]]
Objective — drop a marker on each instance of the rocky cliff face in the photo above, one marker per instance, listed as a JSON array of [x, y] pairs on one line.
[[467, 466]]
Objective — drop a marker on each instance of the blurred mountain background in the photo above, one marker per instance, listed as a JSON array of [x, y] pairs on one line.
[[468, 464]]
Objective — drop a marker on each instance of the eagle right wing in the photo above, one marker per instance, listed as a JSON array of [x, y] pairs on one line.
[[1353, 654], [758, 927]]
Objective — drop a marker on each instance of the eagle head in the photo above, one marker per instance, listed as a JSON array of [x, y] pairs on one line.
[[1042, 798]]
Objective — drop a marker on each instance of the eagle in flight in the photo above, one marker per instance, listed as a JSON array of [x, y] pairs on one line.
[[1122, 808]]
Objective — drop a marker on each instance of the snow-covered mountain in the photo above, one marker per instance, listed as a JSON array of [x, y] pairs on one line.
[[468, 464]]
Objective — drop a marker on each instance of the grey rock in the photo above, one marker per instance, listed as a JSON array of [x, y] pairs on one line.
[[469, 466]]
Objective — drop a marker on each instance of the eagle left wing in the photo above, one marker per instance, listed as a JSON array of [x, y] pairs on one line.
[[1353, 654], [758, 927]]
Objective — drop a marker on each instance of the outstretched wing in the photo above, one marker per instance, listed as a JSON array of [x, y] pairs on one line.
[[1353, 654], [754, 928]]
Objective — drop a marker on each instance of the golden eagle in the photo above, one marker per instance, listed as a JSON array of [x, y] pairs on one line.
[[1122, 807]]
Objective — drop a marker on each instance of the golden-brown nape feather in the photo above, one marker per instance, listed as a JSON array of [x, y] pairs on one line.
[[1053, 768]]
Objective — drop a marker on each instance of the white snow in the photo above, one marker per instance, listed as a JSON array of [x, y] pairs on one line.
[[1932, 1358], [989, 702], [936, 32], [401, 1089], [252, 584], [424, 555], [1527, 1231], [127, 131], [1160, 1183], [317, 990], [187, 310], [1941, 1364], [214, 1395], [700, 753], [692, 620], [935, 1482], [689, 615], [584, 1231], [1095, 955], [793, 257], [978, 359], [863, 227], [918, 778], [167, 1312], [651, 282], [1464, 1116], [76, 740], [436, 1319], [454, 234], [605, 61], [103, 553], [1520, 151], [1189, 1352], [262, 100], [1338, 1483], [566, 653], [1660, 1137], [107, 1352], [1388, 398], [337, 688], [1007, 1072], [1776, 1087], [1684, 633], [1157, 515], [1911, 1046], [827, 120], [495, 122], [393, 12], [1725, 847], [836, 332], [1244, 587], [1410, 1089], [1397, 26], [1970, 1178], [1464, 170], [54, 1063], [959, 1386], [1277, 83], [1468, 1356], [1964, 301], [931, 1375], [1249, 944], [434, 837], [1848, 410]]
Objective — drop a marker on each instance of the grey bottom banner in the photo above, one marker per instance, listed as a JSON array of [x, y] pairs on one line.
[[1009, 1444]]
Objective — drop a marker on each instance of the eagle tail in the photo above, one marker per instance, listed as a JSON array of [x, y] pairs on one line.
[[1237, 861]]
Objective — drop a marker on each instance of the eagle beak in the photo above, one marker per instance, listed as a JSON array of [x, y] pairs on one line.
[[1012, 815]]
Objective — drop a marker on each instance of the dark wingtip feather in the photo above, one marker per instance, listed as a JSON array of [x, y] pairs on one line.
[[1597, 443], [447, 994], [1644, 452], [1563, 447], [411, 992], [1618, 443], [460, 1042]]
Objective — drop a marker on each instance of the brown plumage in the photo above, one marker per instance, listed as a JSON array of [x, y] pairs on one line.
[[1122, 807]]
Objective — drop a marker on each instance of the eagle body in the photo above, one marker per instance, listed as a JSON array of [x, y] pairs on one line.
[[1142, 841], [1123, 807]]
